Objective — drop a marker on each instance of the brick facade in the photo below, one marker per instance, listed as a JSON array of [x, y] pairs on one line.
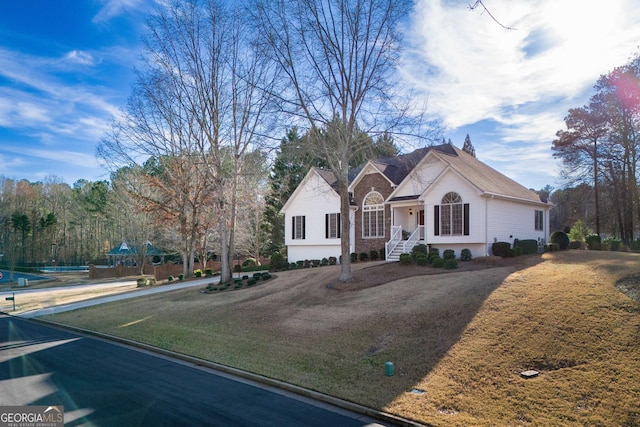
[[378, 183]]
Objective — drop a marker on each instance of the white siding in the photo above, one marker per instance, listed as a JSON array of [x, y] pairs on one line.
[[509, 220], [313, 200], [422, 177], [450, 181]]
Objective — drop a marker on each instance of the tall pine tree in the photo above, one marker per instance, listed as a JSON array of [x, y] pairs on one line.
[[468, 147]]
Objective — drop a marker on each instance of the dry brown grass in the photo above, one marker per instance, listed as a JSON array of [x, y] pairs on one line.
[[462, 337]]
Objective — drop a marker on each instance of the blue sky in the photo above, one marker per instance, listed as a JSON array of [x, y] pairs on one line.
[[66, 70]]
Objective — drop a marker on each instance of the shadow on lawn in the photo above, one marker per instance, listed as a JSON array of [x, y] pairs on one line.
[[416, 335]]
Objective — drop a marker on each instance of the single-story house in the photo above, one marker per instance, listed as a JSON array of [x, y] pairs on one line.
[[440, 196]]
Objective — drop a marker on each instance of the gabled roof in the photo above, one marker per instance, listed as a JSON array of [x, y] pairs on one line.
[[486, 179], [124, 249]]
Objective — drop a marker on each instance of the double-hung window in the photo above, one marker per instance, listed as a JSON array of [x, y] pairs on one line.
[[298, 227], [539, 220], [332, 226]]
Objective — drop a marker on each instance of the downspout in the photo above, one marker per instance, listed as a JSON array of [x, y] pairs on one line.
[[486, 225]]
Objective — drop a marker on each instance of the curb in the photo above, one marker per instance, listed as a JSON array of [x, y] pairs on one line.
[[291, 388]]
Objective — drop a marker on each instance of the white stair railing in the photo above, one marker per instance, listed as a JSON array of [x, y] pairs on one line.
[[396, 237]]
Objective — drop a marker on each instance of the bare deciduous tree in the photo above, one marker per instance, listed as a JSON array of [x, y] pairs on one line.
[[201, 105], [336, 59]]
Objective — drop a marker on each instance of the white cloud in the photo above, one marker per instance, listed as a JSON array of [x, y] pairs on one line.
[[511, 89], [473, 69], [113, 8], [80, 57]]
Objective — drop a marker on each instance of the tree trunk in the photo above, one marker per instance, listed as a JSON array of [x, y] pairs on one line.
[[345, 230]]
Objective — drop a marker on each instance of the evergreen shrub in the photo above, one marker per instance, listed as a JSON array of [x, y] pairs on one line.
[[433, 253], [450, 264], [405, 259], [448, 254], [421, 259], [501, 249], [529, 246], [561, 238], [575, 244], [277, 262], [594, 242], [420, 249], [437, 262], [465, 255]]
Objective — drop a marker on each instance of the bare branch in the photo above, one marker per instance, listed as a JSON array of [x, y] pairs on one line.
[[480, 3]]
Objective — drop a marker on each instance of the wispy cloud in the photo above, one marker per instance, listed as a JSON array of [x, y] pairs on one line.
[[474, 70], [80, 57], [113, 8]]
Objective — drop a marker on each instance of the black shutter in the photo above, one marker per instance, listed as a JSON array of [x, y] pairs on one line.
[[326, 226], [466, 219], [339, 225], [304, 228], [436, 220], [293, 227]]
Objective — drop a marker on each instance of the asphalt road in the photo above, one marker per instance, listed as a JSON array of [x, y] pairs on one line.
[[101, 383]]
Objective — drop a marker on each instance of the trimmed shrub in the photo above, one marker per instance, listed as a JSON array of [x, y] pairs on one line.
[[324, 261], [251, 282], [364, 256], [405, 259], [170, 278], [249, 262], [529, 246], [180, 276], [561, 238], [448, 254], [141, 281], [354, 257], [421, 259], [594, 242], [333, 260], [420, 249], [208, 272], [373, 255], [450, 264], [197, 273], [575, 244], [552, 247], [237, 268], [465, 255], [433, 254], [611, 244], [437, 262], [277, 262], [501, 249]]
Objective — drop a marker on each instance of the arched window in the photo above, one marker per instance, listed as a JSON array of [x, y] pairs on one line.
[[451, 215], [373, 215]]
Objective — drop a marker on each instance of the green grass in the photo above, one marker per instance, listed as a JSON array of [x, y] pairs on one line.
[[462, 337]]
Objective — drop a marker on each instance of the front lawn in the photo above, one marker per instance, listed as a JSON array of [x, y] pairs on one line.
[[458, 340]]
